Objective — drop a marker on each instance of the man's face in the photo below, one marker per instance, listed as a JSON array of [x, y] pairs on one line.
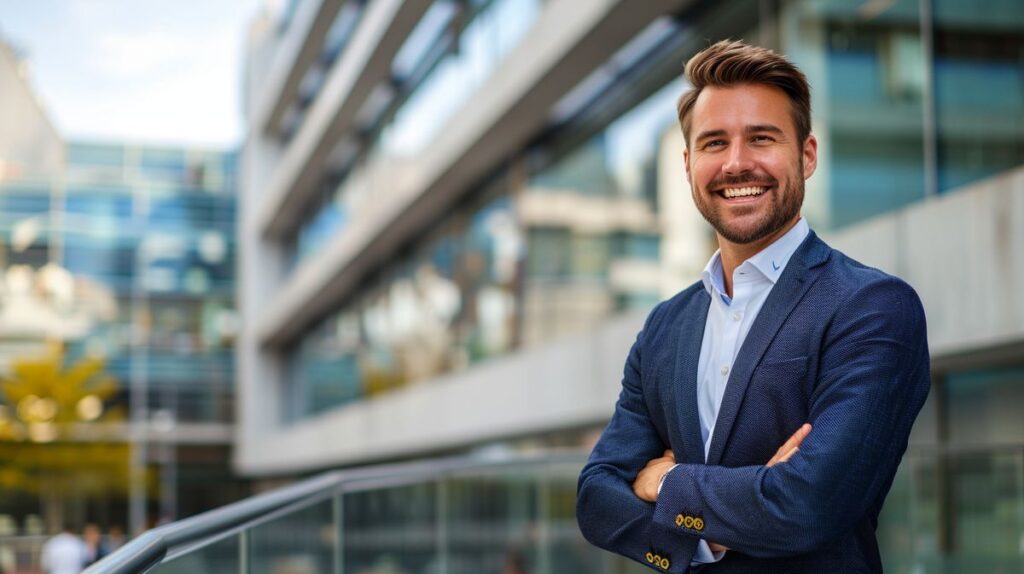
[[743, 161]]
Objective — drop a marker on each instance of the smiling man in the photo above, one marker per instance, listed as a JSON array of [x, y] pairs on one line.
[[764, 410]]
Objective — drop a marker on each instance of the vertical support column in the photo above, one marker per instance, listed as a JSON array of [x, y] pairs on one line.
[[943, 468], [243, 552], [442, 524], [930, 118], [544, 530], [339, 536]]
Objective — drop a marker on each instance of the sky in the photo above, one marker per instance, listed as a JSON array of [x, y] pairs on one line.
[[139, 71]]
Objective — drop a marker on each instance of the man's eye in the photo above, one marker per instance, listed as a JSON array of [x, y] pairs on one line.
[[762, 139], [714, 144]]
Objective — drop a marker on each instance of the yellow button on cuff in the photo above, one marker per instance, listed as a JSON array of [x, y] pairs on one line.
[[694, 522]]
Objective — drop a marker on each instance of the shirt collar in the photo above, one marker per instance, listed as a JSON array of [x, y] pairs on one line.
[[770, 261]]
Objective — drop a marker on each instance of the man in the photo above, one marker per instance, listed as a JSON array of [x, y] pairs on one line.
[[65, 553], [784, 341]]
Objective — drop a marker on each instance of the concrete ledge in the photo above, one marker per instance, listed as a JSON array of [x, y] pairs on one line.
[[565, 385], [963, 252]]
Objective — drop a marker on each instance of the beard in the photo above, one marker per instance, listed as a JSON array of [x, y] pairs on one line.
[[783, 206]]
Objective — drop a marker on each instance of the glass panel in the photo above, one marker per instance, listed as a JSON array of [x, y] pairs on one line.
[[299, 543], [985, 407], [391, 530], [908, 526], [221, 556], [866, 66], [988, 513], [493, 523], [979, 89]]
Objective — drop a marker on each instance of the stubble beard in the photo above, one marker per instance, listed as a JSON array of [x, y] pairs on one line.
[[781, 210]]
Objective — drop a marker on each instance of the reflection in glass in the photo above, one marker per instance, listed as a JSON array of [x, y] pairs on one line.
[[866, 68], [440, 65], [979, 89], [448, 304], [301, 542], [493, 524], [391, 530]]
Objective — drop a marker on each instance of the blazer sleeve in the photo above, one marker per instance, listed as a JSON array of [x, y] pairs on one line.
[[874, 378], [609, 514]]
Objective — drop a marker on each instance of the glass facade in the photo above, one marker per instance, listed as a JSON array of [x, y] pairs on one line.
[[911, 98], [126, 261], [155, 227]]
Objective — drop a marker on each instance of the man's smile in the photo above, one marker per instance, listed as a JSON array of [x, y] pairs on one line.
[[748, 191]]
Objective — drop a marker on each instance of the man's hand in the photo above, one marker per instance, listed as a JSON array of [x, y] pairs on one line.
[[787, 450], [646, 484], [791, 446]]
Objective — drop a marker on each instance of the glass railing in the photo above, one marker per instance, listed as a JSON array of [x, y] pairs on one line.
[[443, 516], [950, 511]]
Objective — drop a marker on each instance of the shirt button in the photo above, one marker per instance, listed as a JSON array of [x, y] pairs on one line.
[[736, 316], [725, 370]]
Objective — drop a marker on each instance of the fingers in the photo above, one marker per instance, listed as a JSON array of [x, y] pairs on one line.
[[791, 446], [667, 456]]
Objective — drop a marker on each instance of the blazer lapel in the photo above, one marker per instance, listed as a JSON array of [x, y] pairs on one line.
[[681, 397], [787, 292]]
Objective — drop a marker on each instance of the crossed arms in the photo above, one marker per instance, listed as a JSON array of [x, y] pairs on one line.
[[872, 378]]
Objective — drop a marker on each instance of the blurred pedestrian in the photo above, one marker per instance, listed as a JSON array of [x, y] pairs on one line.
[[115, 538], [94, 547], [65, 553]]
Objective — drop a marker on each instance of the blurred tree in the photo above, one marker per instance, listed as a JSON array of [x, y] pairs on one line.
[[55, 440]]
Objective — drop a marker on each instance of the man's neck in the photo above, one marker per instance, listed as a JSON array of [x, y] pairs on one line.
[[734, 254]]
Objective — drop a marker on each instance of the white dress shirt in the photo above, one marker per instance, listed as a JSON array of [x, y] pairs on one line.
[[727, 325]]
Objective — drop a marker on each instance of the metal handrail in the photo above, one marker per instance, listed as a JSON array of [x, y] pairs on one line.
[[152, 546]]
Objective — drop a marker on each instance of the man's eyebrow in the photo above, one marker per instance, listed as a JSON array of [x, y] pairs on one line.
[[709, 134], [759, 128]]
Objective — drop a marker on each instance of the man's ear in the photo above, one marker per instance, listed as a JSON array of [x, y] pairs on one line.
[[686, 162], [810, 153]]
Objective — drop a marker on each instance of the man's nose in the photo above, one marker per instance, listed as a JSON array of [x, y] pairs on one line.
[[739, 160]]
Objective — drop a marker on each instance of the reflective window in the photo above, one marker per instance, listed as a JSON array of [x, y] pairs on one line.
[[436, 70], [867, 72], [449, 303], [979, 89]]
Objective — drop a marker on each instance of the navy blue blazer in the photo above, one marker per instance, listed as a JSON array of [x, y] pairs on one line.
[[836, 344]]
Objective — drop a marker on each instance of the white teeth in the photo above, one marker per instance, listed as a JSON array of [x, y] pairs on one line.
[[743, 191]]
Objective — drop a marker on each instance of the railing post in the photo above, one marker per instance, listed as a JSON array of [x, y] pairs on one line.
[[339, 536], [544, 521], [442, 524], [243, 552]]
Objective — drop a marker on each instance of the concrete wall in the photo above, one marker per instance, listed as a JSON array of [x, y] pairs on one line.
[[964, 254], [29, 145]]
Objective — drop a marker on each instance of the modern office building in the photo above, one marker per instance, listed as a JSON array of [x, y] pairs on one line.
[[117, 325], [455, 214]]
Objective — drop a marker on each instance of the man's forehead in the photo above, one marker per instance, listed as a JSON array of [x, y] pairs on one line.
[[741, 106]]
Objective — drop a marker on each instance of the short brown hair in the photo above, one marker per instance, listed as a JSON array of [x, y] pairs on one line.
[[730, 63]]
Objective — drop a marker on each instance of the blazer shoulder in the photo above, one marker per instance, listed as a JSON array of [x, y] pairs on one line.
[[669, 310], [852, 277]]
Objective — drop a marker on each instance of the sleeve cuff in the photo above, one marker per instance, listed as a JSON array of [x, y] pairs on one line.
[[704, 555]]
